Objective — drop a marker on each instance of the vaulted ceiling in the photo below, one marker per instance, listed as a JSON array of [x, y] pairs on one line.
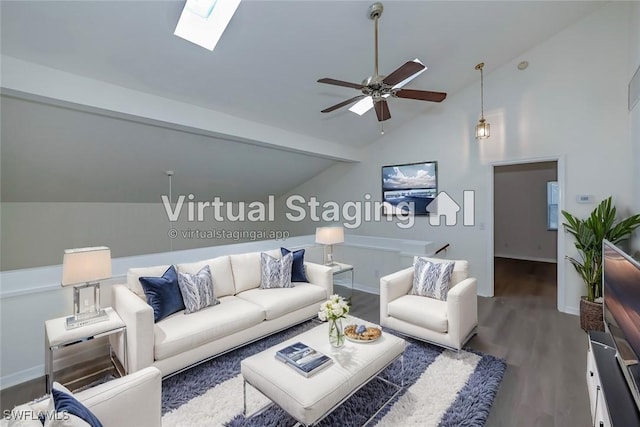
[[264, 70]]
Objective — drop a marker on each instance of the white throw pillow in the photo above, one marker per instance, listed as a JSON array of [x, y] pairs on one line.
[[275, 273], [432, 279]]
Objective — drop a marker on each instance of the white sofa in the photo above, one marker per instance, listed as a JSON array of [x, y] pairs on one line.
[[133, 400], [245, 312], [449, 323]]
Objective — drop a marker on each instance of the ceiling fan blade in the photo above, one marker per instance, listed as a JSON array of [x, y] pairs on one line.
[[340, 83], [342, 104], [362, 106], [382, 110], [421, 95], [408, 69]]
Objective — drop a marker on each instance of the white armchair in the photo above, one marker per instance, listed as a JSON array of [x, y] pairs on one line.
[[449, 323], [133, 400]]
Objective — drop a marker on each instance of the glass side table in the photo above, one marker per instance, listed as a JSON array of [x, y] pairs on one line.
[[341, 269], [57, 336]]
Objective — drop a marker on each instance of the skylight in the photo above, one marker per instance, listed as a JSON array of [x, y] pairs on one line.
[[203, 21]]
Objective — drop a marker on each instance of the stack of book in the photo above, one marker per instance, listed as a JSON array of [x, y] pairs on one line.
[[303, 359]]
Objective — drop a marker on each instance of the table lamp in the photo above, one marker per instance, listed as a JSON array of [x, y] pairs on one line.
[[84, 268], [329, 236]]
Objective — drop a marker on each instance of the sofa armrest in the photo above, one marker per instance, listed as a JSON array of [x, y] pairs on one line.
[[138, 316], [133, 400], [462, 309], [320, 275], [394, 286]]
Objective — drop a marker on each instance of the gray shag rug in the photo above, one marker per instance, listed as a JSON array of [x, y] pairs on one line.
[[440, 389]]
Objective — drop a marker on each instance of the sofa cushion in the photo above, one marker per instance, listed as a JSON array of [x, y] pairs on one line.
[[134, 274], [275, 273], [298, 273], [246, 269], [197, 290], [179, 333], [280, 301], [220, 272], [163, 294], [21, 416], [432, 279], [460, 268], [425, 312]]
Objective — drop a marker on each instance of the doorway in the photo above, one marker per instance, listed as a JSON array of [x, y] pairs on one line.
[[525, 243]]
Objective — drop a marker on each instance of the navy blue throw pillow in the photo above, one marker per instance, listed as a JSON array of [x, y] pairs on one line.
[[163, 294], [64, 402], [297, 270]]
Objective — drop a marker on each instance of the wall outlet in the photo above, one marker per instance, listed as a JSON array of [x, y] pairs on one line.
[[376, 274]]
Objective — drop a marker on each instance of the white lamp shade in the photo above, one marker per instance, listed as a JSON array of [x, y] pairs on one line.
[[329, 235], [86, 265]]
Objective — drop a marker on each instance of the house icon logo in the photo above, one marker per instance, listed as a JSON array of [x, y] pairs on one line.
[[445, 205]]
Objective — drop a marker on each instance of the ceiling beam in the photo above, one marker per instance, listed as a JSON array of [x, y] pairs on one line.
[[32, 81]]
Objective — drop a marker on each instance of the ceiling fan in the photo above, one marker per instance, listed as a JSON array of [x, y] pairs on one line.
[[375, 89]]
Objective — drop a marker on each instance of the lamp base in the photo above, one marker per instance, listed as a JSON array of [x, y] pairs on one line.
[[87, 318]]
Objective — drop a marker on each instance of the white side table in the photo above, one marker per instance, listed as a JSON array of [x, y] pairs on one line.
[[341, 268], [58, 336]]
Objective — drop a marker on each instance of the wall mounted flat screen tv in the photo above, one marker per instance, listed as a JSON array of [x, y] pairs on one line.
[[621, 291], [409, 188]]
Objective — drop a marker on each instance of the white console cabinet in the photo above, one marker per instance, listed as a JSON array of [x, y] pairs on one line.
[[609, 396], [599, 412]]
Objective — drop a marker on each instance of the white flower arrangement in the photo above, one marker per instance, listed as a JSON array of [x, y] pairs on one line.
[[334, 308]]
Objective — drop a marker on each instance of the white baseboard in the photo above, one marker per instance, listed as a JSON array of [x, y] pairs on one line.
[[64, 361], [571, 310], [527, 258], [21, 376]]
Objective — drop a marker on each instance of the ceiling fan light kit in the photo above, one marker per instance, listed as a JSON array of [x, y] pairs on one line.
[[483, 129], [377, 88]]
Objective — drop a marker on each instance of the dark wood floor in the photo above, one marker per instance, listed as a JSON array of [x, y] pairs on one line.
[[545, 350]]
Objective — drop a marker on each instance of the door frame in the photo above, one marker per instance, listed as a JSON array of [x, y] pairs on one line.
[[560, 234]]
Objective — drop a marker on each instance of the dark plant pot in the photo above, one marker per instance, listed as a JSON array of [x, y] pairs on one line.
[[591, 317]]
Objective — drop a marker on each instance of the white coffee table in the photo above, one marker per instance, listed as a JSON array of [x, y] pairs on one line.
[[309, 400]]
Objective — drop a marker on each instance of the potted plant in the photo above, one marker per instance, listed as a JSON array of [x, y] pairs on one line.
[[588, 234]]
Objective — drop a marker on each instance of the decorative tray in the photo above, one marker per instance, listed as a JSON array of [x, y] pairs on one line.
[[369, 334]]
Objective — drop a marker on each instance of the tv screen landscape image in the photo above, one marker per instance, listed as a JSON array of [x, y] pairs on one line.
[[409, 188]]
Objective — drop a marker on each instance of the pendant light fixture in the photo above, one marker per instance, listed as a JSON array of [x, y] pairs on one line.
[[482, 128]]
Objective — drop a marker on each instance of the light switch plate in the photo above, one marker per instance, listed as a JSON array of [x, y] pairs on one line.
[[584, 198]]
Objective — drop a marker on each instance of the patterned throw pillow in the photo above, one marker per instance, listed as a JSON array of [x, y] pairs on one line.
[[432, 279], [275, 273], [197, 290]]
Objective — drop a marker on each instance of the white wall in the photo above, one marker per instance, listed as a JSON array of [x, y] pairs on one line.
[[570, 103], [634, 115], [520, 212], [36, 234]]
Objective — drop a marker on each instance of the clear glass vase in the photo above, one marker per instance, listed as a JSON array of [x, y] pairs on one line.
[[336, 333]]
